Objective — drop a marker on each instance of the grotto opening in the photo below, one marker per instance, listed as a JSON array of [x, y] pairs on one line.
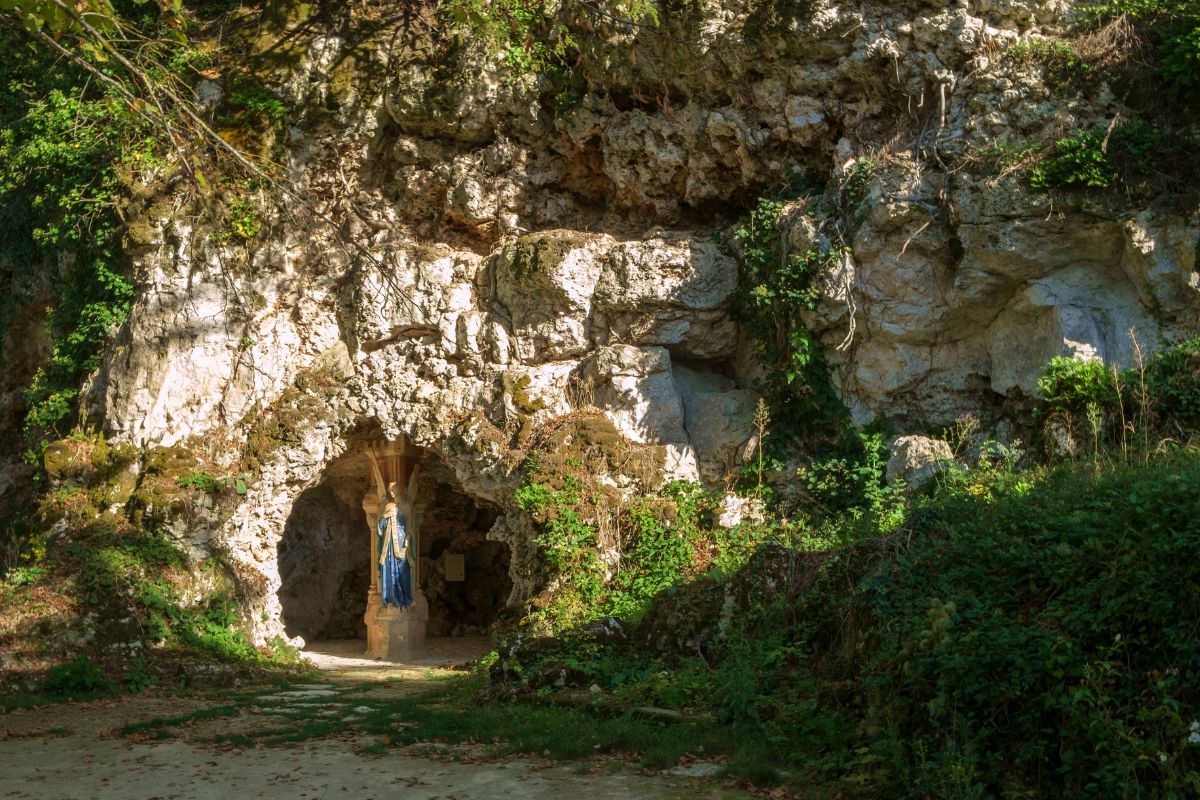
[[328, 555]]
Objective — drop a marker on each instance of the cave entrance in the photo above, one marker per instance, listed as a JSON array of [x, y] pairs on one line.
[[465, 575], [328, 556], [324, 564]]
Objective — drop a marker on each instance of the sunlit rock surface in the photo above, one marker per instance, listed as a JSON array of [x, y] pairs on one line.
[[476, 262]]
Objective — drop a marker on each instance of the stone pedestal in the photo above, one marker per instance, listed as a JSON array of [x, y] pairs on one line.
[[396, 634]]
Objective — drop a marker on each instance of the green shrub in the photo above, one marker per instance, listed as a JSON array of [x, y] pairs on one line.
[[657, 550], [243, 221], [773, 292], [202, 481], [661, 553], [1098, 159], [1174, 26], [1071, 384], [78, 678], [67, 146], [1028, 635], [253, 106], [1008, 154], [854, 479], [1062, 63], [1023, 634], [25, 576], [565, 537], [1168, 390], [1040, 641], [1078, 161], [208, 483], [1179, 53], [1173, 380]]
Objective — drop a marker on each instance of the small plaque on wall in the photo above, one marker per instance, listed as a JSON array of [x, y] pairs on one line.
[[455, 566]]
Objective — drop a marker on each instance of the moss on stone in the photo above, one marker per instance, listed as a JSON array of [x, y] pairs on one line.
[[65, 459], [140, 233], [519, 391], [158, 499], [300, 405], [87, 458], [540, 253], [343, 82], [71, 502], [117, 486], [170, 462]]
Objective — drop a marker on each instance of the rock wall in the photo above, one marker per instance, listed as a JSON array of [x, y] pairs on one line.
[[465, 259]]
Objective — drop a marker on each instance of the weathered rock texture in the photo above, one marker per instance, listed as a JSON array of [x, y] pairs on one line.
[[478, 259]]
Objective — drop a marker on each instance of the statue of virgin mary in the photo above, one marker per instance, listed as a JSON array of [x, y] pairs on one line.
[[395, 572]]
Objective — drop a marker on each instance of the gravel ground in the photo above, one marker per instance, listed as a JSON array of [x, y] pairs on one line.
[[75, 750]]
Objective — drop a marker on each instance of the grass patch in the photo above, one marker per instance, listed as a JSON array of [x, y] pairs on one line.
[[159, 724], [450, 715]]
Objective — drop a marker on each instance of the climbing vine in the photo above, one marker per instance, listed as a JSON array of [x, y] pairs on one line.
[[775, 288], [544, 38], [64, 149]]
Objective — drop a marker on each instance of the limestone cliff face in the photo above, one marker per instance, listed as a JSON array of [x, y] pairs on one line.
[[472, 258]]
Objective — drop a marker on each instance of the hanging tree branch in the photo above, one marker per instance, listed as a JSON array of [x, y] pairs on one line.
[[42, 18]]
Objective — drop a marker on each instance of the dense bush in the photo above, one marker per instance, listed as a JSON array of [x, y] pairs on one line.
[[1097, 159], [62, 144], [1173, 379], [1026, 634], [1160, 397], [79, 677], [1072, 384], [656, 548], [1175, 27], [775, 288], [77, 161], [1006, 633], [1042, 643]]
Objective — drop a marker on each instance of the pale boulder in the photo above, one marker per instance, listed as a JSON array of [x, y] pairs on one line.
[[671, 290], [546, 281], [916, 459]]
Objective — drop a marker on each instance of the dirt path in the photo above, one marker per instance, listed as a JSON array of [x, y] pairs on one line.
[[76, 750]]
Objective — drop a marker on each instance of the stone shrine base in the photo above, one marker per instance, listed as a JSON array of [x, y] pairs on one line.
[[396, 634]]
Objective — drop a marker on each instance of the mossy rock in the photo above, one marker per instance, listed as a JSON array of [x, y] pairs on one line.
[[518, 390], [116, 468], [161, 493], [306, 401], [140, 233], [682, 622], [117, 486], [171, 462], [86, 458], [159, 498], [540, 253], [67, 458], [71, 502]]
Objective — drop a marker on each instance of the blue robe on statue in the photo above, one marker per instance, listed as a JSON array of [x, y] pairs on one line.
[[394, 572]]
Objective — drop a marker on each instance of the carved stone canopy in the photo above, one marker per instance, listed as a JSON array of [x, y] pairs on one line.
[[391, 462]]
